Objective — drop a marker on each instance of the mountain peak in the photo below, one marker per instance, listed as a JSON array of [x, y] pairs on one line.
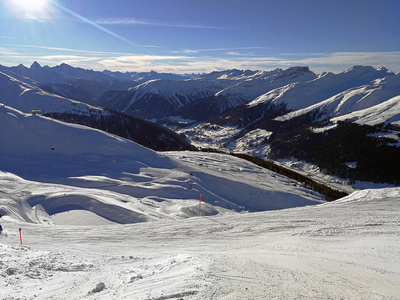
[[35, 65], [368, 71], [294, 72], [382, 68], [65, 66], [299, 69]]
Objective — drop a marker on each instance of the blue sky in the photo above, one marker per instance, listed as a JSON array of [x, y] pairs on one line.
[[185, 36]]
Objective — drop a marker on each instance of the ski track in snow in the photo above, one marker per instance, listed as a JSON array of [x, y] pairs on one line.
[[343, 250]]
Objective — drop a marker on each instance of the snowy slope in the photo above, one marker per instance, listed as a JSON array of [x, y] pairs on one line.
[[66, 74], [356, 99], [59, 74], [241, 90], [305, 94], [159, 98], [25, 97], [384, 113], [81, 84], [62, 167], [251, 87], [342, 250], [217, 91], [179, 93], [365, 95], [28, 98]]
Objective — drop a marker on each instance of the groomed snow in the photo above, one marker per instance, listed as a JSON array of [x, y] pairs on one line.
[[348, 249]]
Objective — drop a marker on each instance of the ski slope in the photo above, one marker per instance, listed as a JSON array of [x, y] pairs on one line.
[[348, 249], [49, 167]]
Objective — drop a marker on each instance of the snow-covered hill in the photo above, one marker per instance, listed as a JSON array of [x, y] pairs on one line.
[[26, 97], [60, 167], [29, 98], [346, 249]]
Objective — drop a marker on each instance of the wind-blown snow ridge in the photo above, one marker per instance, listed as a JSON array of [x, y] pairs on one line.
[[369, 195]]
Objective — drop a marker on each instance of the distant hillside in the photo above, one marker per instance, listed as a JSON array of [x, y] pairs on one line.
[[27, 98], [143, 132]]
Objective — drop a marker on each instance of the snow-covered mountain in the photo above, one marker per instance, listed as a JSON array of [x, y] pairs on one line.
[[81, 84], [159, 98], [354, 99], [326, 88], [242, 90], [29, 98], [292, 113], [201, 98], [351, 95], [55, 167]]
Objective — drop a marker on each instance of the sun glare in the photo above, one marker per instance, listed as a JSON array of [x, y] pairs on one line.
[[31, 9], [31, 5]]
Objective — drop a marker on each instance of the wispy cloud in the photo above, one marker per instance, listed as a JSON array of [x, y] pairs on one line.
[[7, 50], [194, 61], [334, 62], [337, 61], [234, 53], [229, 49], [75, 60], [132, 21], [94, 24]]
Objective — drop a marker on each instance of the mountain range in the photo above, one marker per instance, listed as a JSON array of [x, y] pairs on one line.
[[264, 113]]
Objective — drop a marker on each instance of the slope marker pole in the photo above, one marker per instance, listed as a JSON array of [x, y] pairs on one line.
[[200, 206], [20, 236]]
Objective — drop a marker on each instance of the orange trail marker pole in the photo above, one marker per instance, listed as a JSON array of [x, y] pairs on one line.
[[20, 236], [200, 206]]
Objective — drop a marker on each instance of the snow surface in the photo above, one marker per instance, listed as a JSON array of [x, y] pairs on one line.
[[348, 249], [380, 96], [387, 112], [26, 98], [55, 167]]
